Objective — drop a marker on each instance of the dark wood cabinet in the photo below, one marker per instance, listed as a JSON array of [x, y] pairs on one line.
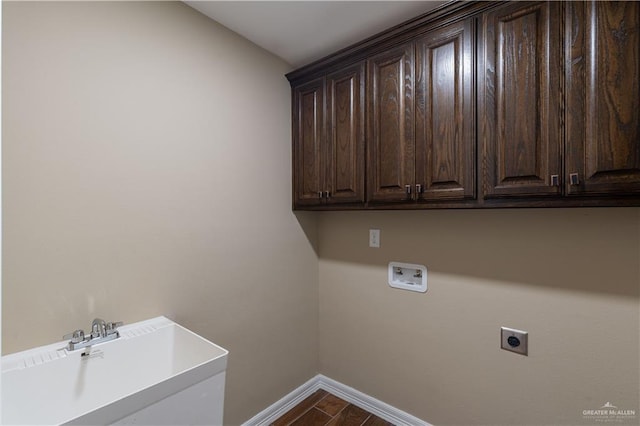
[[476, 105], [445, 114], [422, 119], [308, 143], [328, 140], [520, 100], [344, 178], [603, 98], [391, 162]]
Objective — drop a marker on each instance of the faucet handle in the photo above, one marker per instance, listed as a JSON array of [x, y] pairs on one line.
[[111, 326], [76, 337]]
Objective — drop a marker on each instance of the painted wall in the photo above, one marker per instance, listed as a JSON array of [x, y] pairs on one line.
[[146, 171], [570, 277]]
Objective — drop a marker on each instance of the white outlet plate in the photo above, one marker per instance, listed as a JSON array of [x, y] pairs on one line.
[[374, 238]]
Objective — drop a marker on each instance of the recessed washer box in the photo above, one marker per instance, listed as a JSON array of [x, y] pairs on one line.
[[408, 276]]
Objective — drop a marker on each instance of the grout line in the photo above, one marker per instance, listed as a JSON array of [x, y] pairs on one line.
[[306, 411], [365, 420], [322, 411], [294, 420], [338, 413], [301, 414], [323, 398]]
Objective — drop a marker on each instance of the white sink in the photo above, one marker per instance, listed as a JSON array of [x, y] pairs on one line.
[[157, 372]]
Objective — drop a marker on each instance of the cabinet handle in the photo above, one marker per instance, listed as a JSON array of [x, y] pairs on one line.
[[418, 189], [327, 194], [573, 179], [407, 189], [320, 194], [554, 180]]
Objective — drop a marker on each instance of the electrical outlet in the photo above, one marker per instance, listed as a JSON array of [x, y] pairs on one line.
[[374, 238], [514, 340]]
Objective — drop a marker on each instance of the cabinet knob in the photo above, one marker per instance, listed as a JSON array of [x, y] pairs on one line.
[[555, 180], [573, 179]]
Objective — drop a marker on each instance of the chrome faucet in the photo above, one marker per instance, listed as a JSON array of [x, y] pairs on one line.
[[101, 331], [98, 328]]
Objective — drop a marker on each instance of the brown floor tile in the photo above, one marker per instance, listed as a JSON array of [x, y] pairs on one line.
[[301, 408], [313, 417], [331, 405], [350, 416], [324, 409], [376, 421]]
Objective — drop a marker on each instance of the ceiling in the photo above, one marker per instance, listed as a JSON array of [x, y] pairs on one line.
[[301, 32]]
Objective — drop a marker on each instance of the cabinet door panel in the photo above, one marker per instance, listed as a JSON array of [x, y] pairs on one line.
[[603, 97], [308, 143], [391, 160], [445, 117], [520, 103], [345, 139]]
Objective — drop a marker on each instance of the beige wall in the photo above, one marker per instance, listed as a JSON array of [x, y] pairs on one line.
[[146, 157], [569, 277]]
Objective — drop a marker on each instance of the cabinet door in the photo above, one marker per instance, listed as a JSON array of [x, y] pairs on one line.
[[603, 97], [345, 137], [391, 158], [445, 114], [308, 144], [519, 99]]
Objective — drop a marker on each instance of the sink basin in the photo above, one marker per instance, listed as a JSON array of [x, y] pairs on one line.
[[145, 376]]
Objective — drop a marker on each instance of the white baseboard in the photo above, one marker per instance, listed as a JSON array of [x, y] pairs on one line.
[[286, 403], [349, 394]]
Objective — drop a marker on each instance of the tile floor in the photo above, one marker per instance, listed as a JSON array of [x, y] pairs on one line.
[[324, 409]]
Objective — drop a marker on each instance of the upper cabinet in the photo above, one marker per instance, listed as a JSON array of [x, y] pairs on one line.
[[345, 135], [445, 114], [328, 139], [421, 123], [309, 146], [520, 100], [477, 104], [603, 98], [391, 165]]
